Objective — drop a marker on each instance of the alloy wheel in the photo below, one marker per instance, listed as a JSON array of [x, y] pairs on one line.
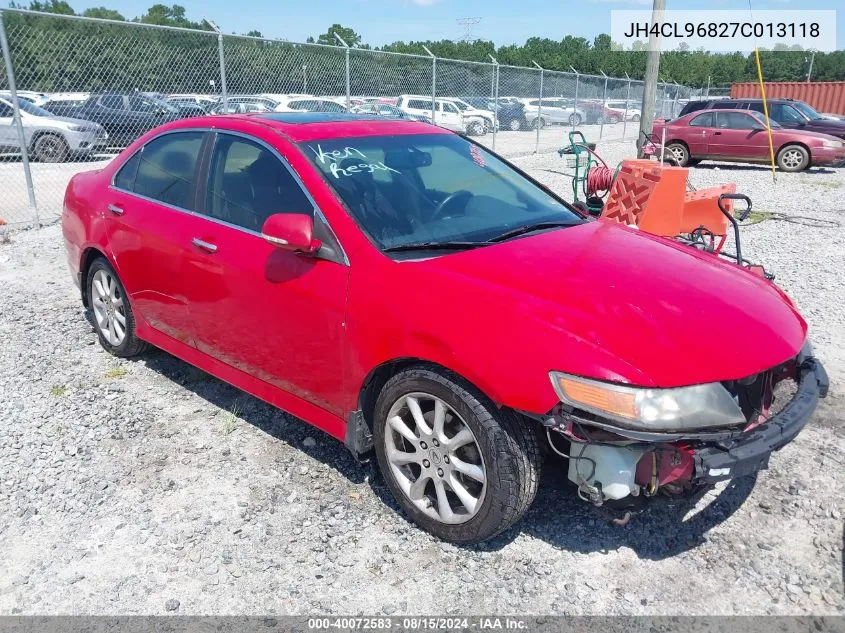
[[109, 307], [435, 458], [792, 159]]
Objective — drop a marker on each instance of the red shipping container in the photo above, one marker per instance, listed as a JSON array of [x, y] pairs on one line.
[[824, 96]]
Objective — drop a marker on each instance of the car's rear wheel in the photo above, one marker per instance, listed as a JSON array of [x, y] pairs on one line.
[[539, 122], [679, 152], [635, 118], [793, 158], [574, 119], [514, 125], [459, 467], [113, 318], [613, 120], [50, 148]]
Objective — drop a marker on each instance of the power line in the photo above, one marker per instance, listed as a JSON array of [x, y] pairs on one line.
[[468, 25]]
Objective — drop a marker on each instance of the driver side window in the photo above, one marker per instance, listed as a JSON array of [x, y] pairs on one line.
[[735, 121], [247, 183]]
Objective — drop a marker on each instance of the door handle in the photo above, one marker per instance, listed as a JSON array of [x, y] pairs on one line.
[[206, 246], [717, 134], [115, 209]]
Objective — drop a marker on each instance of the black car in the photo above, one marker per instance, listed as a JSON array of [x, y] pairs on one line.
[[124, 116], [790, 113], [511, 114]]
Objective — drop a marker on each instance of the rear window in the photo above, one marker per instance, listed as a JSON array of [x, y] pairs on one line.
[[419, 104]]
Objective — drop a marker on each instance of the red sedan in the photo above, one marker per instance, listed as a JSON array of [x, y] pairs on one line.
[[740, 136], [411, 293]]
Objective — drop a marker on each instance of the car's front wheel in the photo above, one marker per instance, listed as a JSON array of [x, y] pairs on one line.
[[793, 158], [514, 125], [113, 317], [476, 128], [461, 468], [574, 119]]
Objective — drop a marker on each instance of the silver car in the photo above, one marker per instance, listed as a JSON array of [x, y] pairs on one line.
[[49, 138], [552, 111]]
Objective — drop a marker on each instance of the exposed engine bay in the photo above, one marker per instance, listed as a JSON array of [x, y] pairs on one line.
[[622, 467]]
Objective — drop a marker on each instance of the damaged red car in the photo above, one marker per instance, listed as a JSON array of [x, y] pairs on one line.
[[417, 297]]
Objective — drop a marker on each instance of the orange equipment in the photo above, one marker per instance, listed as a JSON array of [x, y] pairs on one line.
[[654, 197]]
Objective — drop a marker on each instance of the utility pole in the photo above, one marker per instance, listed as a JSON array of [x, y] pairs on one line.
[[650, 81], [810, 72]]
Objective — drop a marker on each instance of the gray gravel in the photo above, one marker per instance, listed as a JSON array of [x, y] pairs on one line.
[[147, 486]]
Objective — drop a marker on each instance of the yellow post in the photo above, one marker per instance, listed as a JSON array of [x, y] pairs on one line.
[[766, 112]]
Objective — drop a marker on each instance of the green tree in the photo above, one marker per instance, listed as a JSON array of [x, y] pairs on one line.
[[346, 33]]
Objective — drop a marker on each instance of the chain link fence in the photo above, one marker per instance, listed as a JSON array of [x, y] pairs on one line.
[[88, 87]]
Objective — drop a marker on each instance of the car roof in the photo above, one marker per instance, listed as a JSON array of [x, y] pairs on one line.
[[312, 126]]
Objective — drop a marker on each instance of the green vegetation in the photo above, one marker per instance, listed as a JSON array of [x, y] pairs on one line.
[[117, 372], [63, 55]]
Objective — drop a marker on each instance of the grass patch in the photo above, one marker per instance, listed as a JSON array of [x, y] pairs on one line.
[[755, 217], [230, 422], [830, 184], [117, 372], [58, 391]]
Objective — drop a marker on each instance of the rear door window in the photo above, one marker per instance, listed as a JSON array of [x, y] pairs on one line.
[[702, 120], [167, 168]]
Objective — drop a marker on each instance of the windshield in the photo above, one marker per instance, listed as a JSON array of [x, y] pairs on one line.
[[162, 104], [460, 105], [807, 110], [431, 188]]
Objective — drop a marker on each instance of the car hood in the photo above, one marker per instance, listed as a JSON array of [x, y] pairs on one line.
[[63, 122], [609, 302], [827, 126]]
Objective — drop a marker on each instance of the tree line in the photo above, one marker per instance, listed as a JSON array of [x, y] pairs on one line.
[[54, 55]]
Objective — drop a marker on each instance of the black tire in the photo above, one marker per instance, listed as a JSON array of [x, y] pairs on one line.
[[692, 162], [508, 445], [50, 148], [636, 118], [539, 122], [792, 158], [574, 119], [130, 345], [613, 120], [476, 128], [680, 153], [514, 125]]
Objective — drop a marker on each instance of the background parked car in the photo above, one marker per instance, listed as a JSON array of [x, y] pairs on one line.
[[124, 116], [36, 98], [205, 102], [485, 114], [510, 114], [309, 104], [625, 110], [596, 113], [740, 135], [789, 113], [387, 110], [554, 111], [49, 138], [447, 113], [240, 107]]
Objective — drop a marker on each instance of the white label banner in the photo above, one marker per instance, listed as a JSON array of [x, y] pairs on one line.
[[723, 30]]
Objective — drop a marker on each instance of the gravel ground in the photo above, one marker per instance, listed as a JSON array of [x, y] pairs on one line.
[[147, 486]]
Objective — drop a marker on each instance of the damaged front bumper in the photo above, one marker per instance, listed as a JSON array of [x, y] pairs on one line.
[[749, 452], [609, 463]]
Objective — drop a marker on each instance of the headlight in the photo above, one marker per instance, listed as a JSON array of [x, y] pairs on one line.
[[833, 144], [679, 409], [75, 127]]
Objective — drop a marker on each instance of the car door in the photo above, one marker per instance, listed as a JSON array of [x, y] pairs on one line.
[[698, 133], [738, 135], [449, 116], [150, 227], [8, 130], [269, 312]]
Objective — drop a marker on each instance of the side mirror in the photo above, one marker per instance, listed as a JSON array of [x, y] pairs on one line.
[[292, 232]]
